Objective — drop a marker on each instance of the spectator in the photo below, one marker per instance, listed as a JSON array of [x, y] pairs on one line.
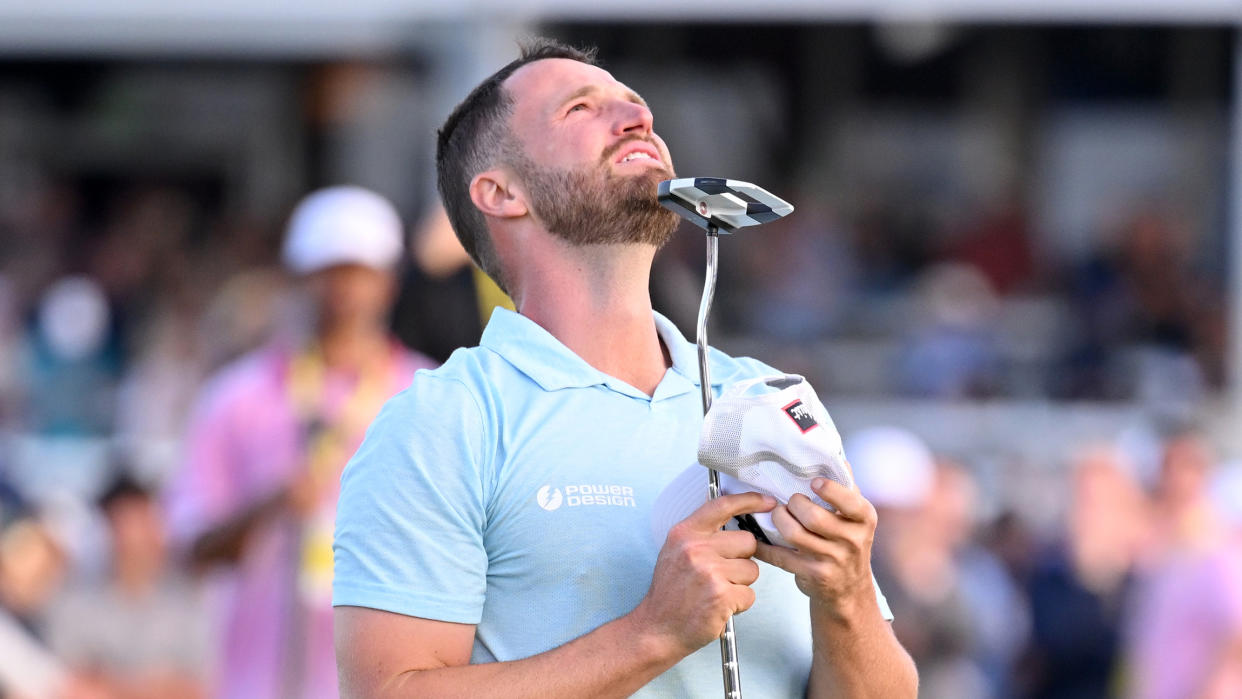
[[1078, 587], [804, 296], [913, 560], [72, 361], [951, 350], [966, 620], [996, 608], [1186, 631], [142, 631], [32, 566], [998, 243], [268, 440], [445, 299]]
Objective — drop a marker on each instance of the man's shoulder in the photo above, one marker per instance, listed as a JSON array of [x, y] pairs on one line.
[[470, 375], [244, 379], [477, 369]]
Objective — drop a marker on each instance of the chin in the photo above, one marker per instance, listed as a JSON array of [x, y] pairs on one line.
[[643, 185]]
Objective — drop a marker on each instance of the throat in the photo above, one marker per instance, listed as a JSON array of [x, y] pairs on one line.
[[625, 346], [645, 376], [595, 300]]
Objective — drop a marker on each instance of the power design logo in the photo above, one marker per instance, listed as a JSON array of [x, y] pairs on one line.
[[549, 498]]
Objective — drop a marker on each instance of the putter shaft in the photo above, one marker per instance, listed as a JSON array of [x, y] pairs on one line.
[[728, 641]]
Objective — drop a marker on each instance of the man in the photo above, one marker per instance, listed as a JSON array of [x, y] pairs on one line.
[[142, 631], [494, 536], [1185, 630], [268, 440]]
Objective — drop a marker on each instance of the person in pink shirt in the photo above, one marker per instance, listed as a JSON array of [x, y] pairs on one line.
[[256, 498], [1186, 630]]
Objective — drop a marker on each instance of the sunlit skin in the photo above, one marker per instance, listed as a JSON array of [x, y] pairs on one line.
[[572, 114]]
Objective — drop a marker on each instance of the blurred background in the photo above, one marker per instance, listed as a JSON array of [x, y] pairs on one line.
[[1014, 276]]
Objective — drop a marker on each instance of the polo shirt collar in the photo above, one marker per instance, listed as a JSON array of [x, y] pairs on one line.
[[685, 354], [548, 362]]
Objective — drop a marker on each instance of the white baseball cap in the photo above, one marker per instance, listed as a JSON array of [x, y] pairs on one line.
[[342, 225], [74, 317], [770, 435], [895, 468]]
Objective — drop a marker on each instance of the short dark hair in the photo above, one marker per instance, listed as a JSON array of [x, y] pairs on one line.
[[122, 487], [476, 137]]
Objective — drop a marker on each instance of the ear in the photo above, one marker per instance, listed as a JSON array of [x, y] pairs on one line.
[[497, 194]]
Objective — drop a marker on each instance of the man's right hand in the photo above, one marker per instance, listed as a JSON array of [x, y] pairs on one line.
[[703, 574]]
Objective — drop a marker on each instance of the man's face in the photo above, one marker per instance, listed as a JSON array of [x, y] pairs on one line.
[[352, 293], [137, 530], [588, 155]]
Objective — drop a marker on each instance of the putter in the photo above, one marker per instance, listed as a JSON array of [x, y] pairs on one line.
[[718, 205]]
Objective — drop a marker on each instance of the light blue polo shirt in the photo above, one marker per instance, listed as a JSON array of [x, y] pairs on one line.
[[512, 489]]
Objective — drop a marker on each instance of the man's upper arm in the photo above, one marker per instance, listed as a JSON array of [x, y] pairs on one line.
[[412, 508], [378, 651]]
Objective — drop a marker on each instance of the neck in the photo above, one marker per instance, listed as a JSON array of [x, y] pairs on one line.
[[595, 300], [352, 346]]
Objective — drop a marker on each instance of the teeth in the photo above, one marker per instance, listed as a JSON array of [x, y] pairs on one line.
[[635, 156]]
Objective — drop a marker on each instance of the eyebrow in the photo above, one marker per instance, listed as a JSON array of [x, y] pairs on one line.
[[586, 90]]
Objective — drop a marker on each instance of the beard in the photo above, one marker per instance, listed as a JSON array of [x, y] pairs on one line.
[[598, 207]]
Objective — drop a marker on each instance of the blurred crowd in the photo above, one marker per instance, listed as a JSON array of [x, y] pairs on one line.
[[971, 309], [171, 458], [1137, 593]]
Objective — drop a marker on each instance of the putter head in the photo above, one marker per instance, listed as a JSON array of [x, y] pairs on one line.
[[726, 204]]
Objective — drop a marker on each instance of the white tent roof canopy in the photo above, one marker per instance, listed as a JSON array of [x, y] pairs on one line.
[[330, 26]]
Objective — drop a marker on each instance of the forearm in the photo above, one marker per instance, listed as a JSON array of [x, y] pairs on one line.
[[614, 660], [702, 575], [224, 542], [856, 654]]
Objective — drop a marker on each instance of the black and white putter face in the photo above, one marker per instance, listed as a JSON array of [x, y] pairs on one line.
[[725, 204]]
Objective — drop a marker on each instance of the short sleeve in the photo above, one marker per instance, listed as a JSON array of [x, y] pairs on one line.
[[411, 514]]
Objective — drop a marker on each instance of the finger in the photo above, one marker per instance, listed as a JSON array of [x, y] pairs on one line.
[[743, 598], [740, 571], [799, 537], [784, 558], [816, 518], [848, 502], [733, 544], [713, 514]]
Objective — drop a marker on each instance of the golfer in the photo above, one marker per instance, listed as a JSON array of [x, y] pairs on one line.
[[493, 535]]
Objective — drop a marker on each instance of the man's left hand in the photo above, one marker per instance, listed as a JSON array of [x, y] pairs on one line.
[[831, 561]]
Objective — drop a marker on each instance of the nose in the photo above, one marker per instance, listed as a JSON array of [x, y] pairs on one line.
[[633, 118]]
